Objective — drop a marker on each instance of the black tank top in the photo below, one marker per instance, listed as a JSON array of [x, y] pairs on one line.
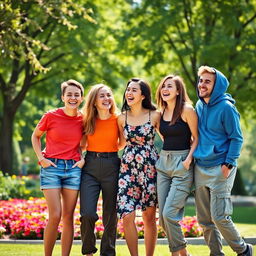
[[176, 136]]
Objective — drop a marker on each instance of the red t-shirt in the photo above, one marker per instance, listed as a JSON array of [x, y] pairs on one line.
[[63, 134]]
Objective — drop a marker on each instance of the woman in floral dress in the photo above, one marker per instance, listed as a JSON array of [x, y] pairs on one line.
[[137, 178]]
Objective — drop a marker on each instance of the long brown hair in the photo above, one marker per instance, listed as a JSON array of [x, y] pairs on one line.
[[90, 111], [181, 99], [145, 91]]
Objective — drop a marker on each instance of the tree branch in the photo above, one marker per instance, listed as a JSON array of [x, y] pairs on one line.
[[249, 21], [46, 78], [2, 83], [54, 59], [15, 71], [46, 40], [25, 87], [44, 27], [170, 41]]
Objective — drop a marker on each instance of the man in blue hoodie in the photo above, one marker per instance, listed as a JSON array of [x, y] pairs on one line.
[[220, 142]]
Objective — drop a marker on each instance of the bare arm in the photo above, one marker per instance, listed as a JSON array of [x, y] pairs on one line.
[[36, 143], [83, 143], [122, 141], [156, 120], [190, 117]]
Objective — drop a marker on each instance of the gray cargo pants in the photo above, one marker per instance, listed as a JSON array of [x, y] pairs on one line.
[[214, 207], [173, 187]]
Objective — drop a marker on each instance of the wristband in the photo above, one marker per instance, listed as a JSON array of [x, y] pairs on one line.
[[230, 166]]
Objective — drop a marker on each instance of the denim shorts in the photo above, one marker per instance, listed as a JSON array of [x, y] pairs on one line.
[[64, 176]]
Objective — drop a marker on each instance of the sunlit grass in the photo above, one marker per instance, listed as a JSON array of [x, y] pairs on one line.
[[122, 250]]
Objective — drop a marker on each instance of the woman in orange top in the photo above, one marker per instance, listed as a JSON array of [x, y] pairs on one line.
[[100, 173]]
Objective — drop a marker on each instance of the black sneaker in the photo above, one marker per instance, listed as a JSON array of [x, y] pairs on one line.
[[248, 251]]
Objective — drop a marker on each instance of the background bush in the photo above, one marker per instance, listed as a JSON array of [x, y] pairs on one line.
[[19, 187]]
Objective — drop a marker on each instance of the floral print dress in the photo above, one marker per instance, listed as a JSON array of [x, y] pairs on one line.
[[137, 178]]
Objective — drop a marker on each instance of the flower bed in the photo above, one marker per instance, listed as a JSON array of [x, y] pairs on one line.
[[26, 219]]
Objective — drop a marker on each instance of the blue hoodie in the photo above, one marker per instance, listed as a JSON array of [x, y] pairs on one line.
[[220, 136]]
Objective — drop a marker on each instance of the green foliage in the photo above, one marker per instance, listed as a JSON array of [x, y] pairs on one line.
[[239, 188], [24, 22], [32, 162], [11, 187], [247, 160], [86, 41], [179, 36], [17, 158], [18, 187], [34, 39]]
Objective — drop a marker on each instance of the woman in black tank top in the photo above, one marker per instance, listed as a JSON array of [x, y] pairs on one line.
[[178, 128]]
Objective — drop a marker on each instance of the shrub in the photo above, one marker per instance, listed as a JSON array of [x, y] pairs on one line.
[[17, 187]]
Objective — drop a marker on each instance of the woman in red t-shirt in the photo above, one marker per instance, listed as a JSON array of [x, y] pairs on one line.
[[61, 164]]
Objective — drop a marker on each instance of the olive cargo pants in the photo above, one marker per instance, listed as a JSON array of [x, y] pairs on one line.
[[214, 207]]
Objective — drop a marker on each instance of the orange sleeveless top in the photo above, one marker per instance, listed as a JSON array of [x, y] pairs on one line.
[[105, 136]]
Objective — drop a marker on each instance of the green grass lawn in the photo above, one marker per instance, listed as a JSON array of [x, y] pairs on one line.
[[241, 214], [122, 250]]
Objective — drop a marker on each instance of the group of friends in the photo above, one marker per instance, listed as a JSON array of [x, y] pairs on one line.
[[200, 146]]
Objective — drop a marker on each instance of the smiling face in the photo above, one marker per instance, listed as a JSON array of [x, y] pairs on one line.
[[169, 90], [104, 99], [205, 85], [133, 94], [72, 97]]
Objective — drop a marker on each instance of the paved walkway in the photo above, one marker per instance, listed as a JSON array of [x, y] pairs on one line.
[[237, 201]]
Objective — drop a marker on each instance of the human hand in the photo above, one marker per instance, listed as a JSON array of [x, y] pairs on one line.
[[225, 171], [79, 164], [186, 163], [46, 163]]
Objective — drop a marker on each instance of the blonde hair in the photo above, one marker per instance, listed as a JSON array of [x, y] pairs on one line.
[[181, 99], [90, 111], [205, 69]]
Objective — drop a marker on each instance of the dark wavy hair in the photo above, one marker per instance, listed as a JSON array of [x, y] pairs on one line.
[[145, 91]]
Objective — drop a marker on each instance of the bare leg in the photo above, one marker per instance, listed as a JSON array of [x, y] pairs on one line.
[[182, 252], [150, 234], [69, 199], [131, 233], [53, 201]]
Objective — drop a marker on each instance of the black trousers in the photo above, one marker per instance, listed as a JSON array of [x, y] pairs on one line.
[[100, 174]]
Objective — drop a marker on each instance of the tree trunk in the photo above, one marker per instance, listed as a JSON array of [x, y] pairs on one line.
[[6, 134]]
